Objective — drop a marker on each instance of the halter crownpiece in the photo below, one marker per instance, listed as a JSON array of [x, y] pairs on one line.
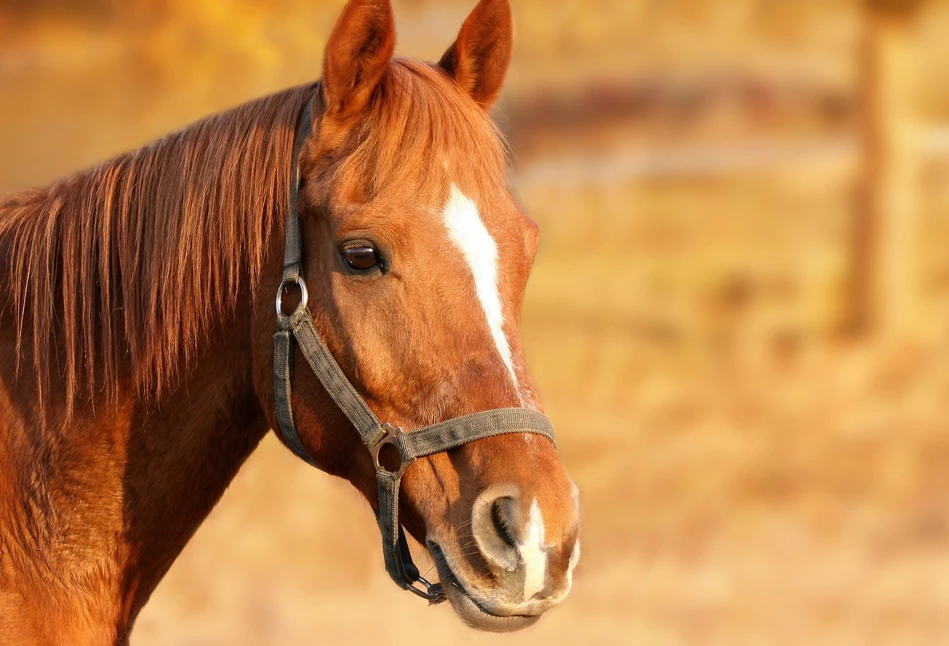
[[297, 329]]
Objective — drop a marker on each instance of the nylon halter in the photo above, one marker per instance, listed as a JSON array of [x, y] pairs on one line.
[[297, 330]]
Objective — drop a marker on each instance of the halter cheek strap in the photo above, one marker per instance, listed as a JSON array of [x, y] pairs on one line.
[[296, 331]]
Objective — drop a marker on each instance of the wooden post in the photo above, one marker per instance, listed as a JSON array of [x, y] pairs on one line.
[[885, 267]]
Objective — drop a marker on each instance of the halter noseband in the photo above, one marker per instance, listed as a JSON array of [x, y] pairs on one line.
[[297, 328]]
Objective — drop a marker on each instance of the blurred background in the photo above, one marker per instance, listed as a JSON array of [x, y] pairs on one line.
[[739, 318]]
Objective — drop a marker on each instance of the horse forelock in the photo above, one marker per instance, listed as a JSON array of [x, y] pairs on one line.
[[422, 130]]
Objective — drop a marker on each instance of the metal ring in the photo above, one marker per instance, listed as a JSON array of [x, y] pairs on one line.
[[391, 437], [433, 593], [304, 294]]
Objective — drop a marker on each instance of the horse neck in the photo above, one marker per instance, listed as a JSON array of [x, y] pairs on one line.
[[182, 456], [94, 510]]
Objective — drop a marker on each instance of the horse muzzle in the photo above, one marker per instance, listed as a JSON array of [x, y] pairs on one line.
[[516, 575]]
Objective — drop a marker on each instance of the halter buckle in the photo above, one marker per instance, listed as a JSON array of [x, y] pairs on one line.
[[393, 435]]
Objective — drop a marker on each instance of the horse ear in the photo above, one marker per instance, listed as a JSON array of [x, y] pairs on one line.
[[357, 55], [479, 59]]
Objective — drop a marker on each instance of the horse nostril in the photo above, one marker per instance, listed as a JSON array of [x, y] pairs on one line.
[[502, 512], [495, 527]]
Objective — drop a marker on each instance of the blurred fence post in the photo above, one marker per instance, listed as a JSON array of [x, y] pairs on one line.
[[884, 263]]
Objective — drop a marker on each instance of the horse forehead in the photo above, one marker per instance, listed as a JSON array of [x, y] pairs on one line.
[[418, 211], [493, 206]]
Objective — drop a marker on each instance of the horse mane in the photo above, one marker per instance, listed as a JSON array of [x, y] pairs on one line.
[[133, 259]]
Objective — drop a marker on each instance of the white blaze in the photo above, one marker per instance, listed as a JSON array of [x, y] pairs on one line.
[[533, 553], [468, 232]]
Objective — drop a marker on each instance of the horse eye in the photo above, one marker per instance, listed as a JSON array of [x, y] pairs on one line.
[[360, 256]]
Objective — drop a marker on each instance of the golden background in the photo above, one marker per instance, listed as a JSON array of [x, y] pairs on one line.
[[754, 468]]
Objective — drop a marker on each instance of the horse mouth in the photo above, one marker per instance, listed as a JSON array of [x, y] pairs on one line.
[[468, 609]]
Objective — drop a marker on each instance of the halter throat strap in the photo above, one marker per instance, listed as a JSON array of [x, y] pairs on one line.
[[297, 332]]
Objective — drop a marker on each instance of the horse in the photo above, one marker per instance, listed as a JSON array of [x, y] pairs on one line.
[[137, 340]]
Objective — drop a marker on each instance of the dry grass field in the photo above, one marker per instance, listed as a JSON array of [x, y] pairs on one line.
[[751, 474]]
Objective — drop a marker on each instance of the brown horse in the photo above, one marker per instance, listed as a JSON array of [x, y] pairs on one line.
[[137, 335]]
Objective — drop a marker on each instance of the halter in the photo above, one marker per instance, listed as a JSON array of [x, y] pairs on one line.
[[298, 329]]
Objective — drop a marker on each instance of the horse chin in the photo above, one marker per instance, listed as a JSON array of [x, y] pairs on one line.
[[475, 616], [468, 609]]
